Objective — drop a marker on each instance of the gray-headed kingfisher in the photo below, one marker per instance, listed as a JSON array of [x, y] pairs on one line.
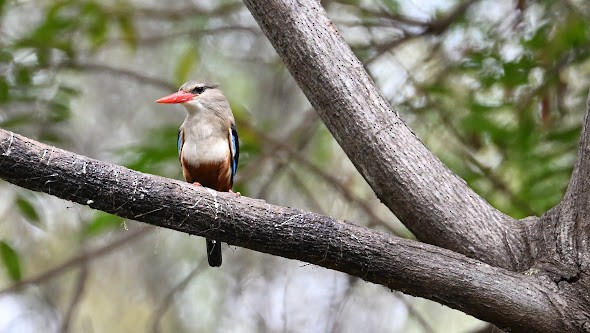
[[208, 147]]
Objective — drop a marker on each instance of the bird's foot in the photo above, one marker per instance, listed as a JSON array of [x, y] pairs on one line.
[[237, 193], [197, 184]]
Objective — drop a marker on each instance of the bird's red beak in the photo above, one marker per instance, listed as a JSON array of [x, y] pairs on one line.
[[177, 97]]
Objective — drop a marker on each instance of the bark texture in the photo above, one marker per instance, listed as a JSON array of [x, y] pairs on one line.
[[429, 199], [524, 276], [435, 204], [506, 298]]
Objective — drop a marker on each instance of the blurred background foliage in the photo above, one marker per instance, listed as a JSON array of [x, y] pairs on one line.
[[496, 89]]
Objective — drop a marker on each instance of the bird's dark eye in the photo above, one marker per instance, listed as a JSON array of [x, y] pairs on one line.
[[198, 90]]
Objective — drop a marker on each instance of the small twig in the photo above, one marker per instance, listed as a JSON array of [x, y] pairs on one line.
[[332, 181], [79, 290], [186, 34], [307, 193], [435, 27], [167, 300], [253, 167], [103, 68], [74, 262], [187, 12]]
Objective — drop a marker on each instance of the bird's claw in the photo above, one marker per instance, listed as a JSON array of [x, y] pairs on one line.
[[197, 184], [237, 193]]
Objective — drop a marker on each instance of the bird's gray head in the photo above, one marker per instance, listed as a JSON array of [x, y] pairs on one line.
[[197, 88], [199, 96]]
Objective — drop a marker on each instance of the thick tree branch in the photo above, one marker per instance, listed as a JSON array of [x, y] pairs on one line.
[[559, 241], [505, 298], [574, 231], [435, 204]]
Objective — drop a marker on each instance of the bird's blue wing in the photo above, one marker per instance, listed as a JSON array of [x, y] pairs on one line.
[[179, 141], [235, 151]]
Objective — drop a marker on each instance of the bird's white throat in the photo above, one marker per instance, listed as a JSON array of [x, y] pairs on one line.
[[204, 139]]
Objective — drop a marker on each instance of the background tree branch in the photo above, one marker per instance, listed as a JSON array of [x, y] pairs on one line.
[[409, 266]]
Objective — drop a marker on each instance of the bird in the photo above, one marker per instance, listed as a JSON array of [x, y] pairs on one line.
[[208, 145]]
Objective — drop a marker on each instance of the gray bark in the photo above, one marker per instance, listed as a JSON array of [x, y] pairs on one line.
[[523, 276], [506, 298], [429, 199], [435, 204]]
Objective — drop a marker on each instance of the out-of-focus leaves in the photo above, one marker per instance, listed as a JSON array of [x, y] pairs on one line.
[[573, 33], [28, 210], [391, 5], [249, 141], [512, 103], [517, 73], [11, 261], [23, 75], [55, 32], [127, 30], [4, 91], [101, 223], [480, 123], [17, 120], [5, 56], [96, 23], [58, 111], [566, 135], [185, 64], [161, 149], [322, 150]]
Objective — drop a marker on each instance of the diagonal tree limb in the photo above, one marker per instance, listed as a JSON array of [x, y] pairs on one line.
[[575, 236], [523, 303], [566, 257], [435, 204]]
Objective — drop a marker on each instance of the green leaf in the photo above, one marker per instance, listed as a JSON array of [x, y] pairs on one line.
[[4, 55], [185, 65], [11, 261], [516, 73], [391, 5], [159, 152], [27, 209], [59, 112], [101, 223], [23, 75], [128, 31], [4, 91], [12, 122]]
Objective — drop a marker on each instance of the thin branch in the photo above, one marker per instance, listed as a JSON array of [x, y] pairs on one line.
[[167, 300], [435, 27], [301, 130], [302, 143], [329, 179], [186, 34], [77, 261], [415, 268], [78, 291], [308, 195], [178, 13], [103, 68]]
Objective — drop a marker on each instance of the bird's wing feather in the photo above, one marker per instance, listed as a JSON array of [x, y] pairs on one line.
[[235, 150], [180, 142]]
